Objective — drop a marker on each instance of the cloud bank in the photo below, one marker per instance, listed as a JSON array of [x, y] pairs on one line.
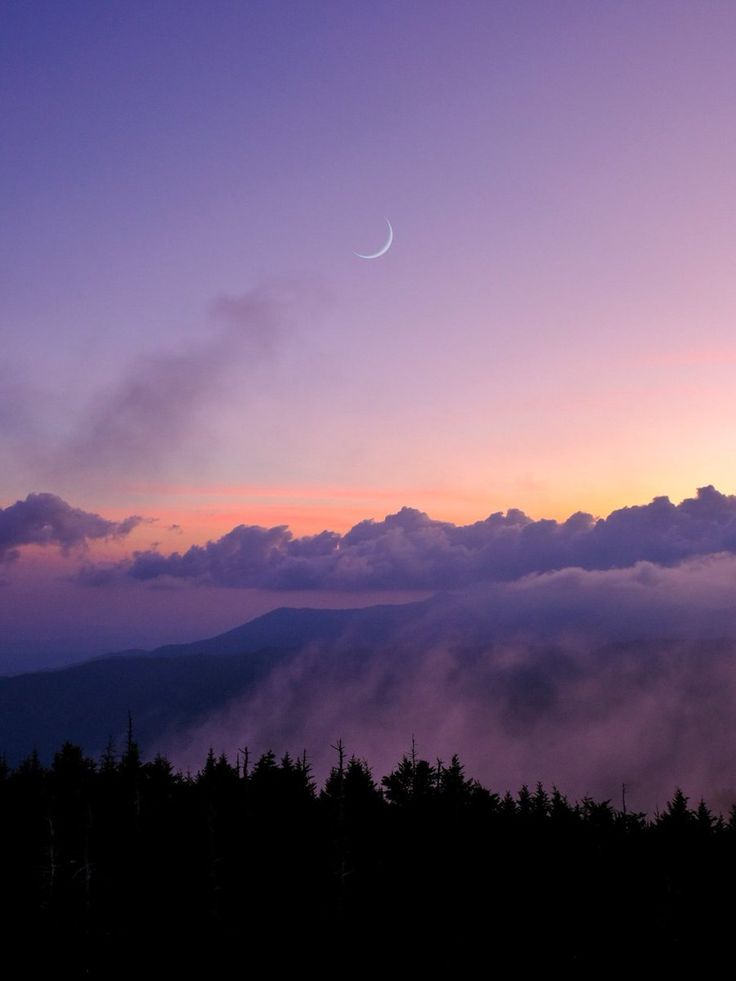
[[600, 672], [410, 550], [587, 679], [45, 519]]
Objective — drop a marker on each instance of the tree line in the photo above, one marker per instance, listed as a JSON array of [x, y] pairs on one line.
[[107, 865]]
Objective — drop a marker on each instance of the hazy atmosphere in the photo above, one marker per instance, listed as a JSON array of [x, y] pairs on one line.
[[224, 391]]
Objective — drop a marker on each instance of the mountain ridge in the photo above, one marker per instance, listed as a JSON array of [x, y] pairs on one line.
[[175, 684]]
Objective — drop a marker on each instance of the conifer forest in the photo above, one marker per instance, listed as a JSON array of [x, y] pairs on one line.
[[125, 867]]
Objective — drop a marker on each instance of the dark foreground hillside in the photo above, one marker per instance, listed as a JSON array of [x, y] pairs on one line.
[[124, 868]]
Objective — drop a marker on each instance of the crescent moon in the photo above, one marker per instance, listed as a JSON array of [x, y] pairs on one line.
[[381, 251]]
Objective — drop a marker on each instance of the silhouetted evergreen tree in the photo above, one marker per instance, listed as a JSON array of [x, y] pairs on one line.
[[118, 863], [676, 815], [540, 803], [452, 784], [705, 819]]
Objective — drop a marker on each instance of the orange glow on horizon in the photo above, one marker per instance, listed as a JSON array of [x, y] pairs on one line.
[[201, 516], [308, 511]]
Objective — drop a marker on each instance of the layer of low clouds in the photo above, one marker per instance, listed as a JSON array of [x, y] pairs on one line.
[[45, 519], [586, 679], [586, 653], [410, 550]]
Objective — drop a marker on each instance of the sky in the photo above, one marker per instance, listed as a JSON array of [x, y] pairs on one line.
[[189, 338]]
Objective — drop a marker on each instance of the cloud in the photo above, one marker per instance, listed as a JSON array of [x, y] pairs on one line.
[[159, 404], [587, 679], [410, 550], [45, 519], [585, 676], [15, 419], [158, 401]]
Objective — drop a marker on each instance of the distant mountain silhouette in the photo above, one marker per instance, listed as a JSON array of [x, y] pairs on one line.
[[289, 627], [174, 685]]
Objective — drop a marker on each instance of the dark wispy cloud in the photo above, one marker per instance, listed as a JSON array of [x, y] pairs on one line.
[[410, 550], [15, 417], [161, 403], [45, 519], [158, 401]]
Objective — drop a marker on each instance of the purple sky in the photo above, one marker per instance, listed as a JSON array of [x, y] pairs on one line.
[[188, 337]]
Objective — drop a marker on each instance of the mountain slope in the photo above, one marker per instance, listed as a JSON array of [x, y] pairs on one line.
[[289, 627], [176, 685], [89, 703]]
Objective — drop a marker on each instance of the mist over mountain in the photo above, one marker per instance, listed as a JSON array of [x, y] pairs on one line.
[[588, 679], [288, 628], [176, 685]]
